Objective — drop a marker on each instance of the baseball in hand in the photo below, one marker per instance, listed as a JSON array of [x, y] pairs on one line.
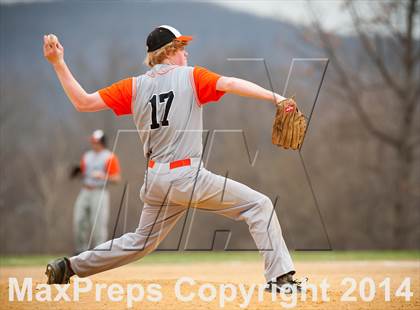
[[53, 50]]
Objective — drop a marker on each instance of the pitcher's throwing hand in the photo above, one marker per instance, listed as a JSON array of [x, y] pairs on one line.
[[53, 50]]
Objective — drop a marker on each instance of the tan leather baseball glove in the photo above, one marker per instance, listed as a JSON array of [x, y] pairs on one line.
[[289, 125]]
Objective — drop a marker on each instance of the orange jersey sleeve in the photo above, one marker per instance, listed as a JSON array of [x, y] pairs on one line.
[[118, 96], [205, 85], [113, 165]]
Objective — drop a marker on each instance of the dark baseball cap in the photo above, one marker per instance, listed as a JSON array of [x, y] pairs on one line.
[[163, 35]]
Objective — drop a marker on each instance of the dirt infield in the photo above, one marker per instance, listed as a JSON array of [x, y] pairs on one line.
[[217, 274]]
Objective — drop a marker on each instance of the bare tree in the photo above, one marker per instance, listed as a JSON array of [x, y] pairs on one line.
[[387, 64]]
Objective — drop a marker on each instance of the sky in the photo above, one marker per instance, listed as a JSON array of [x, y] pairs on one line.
[[330, 12], [297, 11]]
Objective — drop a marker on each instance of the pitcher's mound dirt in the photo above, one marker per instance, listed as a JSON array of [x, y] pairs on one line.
[[213, 276]]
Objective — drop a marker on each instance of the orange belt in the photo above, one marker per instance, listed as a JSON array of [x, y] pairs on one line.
[[90, 187], [174, 164]]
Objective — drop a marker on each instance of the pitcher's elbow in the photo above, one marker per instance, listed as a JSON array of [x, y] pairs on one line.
[[79, 107], [82, 105]]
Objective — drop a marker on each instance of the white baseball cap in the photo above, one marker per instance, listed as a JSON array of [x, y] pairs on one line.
[[97, 135]]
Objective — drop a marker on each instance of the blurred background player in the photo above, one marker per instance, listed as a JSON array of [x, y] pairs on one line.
[[98, 166]]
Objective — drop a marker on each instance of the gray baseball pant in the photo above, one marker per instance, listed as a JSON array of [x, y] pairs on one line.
[[160, 215], [90, 218]]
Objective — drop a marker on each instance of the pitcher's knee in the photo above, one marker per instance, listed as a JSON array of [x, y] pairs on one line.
[[265, 204], [145, 240], [260, 214], [266, 209]]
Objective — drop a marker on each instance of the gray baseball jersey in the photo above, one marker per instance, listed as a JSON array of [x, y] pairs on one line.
[[167, 113], [95, 161]]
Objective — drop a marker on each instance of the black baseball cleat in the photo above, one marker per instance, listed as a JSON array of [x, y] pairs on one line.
[[286, 284], [58, 271]]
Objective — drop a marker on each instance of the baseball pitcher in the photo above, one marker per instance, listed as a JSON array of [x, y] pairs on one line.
[[167, 103]]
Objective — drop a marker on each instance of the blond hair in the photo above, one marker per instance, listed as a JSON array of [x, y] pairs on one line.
[[158, 56]]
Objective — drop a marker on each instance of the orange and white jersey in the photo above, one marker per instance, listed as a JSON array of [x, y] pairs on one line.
[[103, 162], [166, 103]]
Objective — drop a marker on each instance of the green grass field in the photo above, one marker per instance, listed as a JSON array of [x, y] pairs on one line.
[[222, 256]]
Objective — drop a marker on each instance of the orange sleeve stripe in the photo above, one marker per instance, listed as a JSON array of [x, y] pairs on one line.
[[118, 96], [205, 85], [113, 165]]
